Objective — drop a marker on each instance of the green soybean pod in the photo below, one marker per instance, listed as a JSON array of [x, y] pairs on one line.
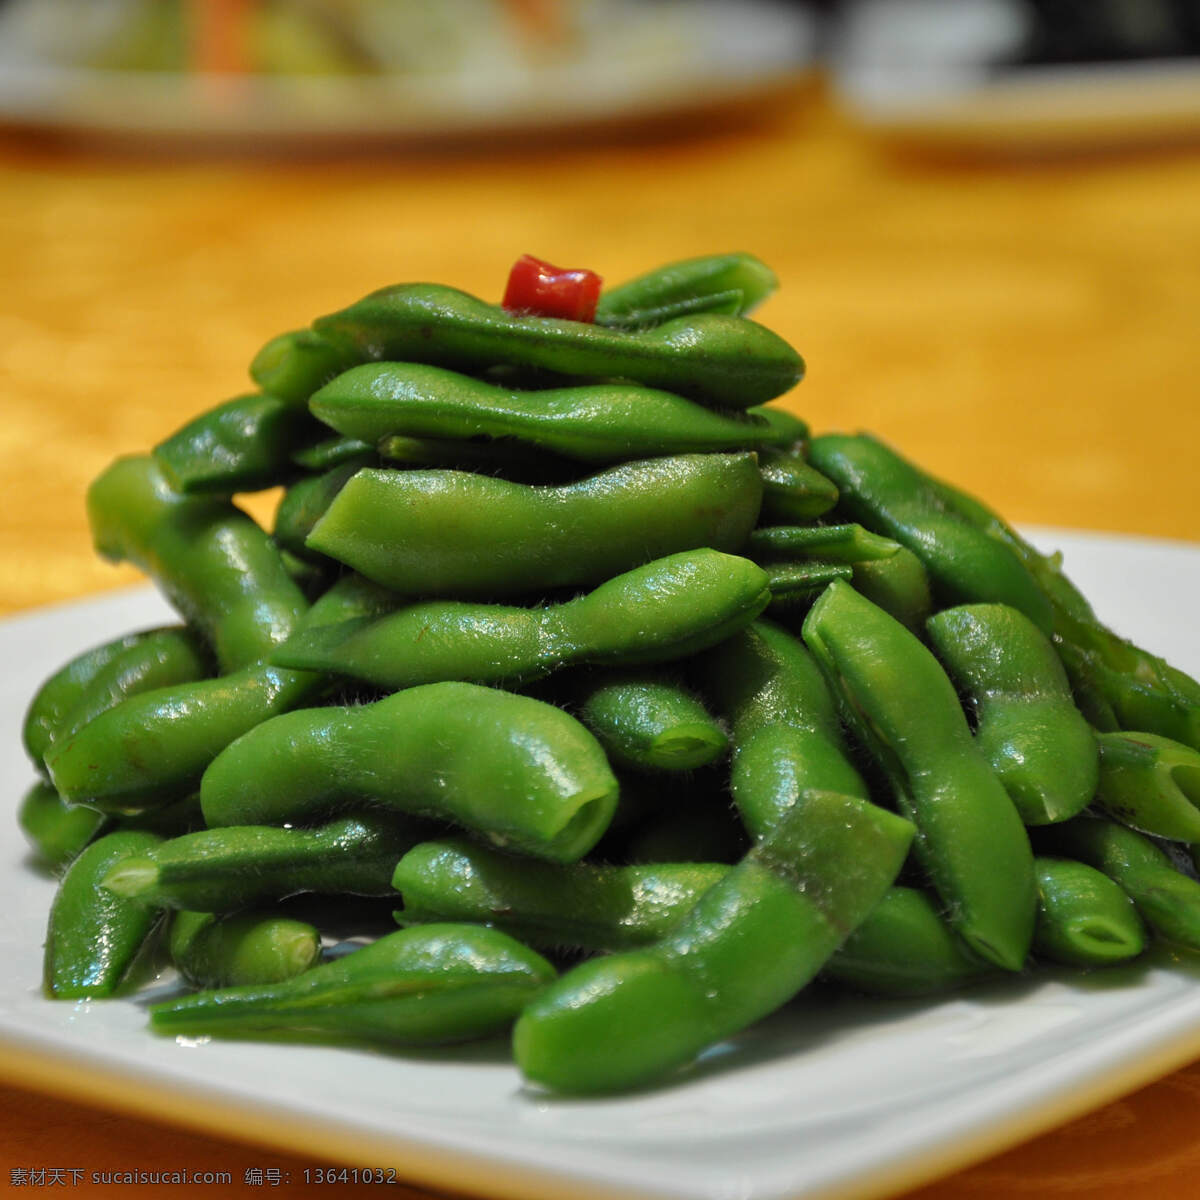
[[905, 947], [793, 490], [1150, 783], [221, 870], [590, 907], [211, 560], [94, 937], [904, 709], [241, 949], [750, 943], [727, 283], [306, 502], [594, 423], [57, 831], [64, 690], [518, 771], [421, 986], [1168, 900], [150, 750], [667, 609], [243, 445], [649, 720], [164, 658], [1084, 918], [886, 493], [1026, 724], [324, 455], [512, 538], [787, 738]]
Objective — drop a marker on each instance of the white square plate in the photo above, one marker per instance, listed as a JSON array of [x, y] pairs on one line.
[[827, 1099]]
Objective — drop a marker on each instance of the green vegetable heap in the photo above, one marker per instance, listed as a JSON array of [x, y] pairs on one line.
[[543, 594]]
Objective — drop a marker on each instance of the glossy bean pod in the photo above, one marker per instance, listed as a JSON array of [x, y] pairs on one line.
[[749, 944], [241, 949], [596, 423], [150, 750], [243, 445], [512, 538], [63, 690], [1084, 918], [786, 734], [1151, 784], [590, 907], [716, 359], [904, 709], [306, 502], [906, 948], [649, 720], [221, 870], [1026, 722], [1117, 684], [1168, 900], [727, 283], [94, 937], [430, 984], [520, 772], [793, 490], [211, 560], [57, 831], [887, 494], [664, 610]]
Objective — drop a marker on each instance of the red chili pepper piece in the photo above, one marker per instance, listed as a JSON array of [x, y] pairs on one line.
[[536, 288]]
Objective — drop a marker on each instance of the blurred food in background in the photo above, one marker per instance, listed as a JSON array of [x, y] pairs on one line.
[[985, 73], [310, 68]]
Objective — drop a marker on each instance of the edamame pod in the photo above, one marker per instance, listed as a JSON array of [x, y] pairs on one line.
[[751, 942], [1117, 685], [792, 489], [434, 983], [727, 283], [331, 452], [523, 773], [510, 538], [1150, 783], [890, 496], [164, 658], [904, 709], [1168, 900], [1084, 919], [597, 423], [666, 609], [1026, 723], [721, 360], [548, 904], [57, 831], [241, 949], [787, 738], [649, 721], [906, 948], [212, 561], [220, 870], [151, 749], [243, 445], [94, 937]]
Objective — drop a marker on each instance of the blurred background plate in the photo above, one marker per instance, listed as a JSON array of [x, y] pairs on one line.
[[369, 69]]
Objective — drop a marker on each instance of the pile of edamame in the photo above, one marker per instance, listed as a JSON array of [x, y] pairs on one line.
[[637, 705]]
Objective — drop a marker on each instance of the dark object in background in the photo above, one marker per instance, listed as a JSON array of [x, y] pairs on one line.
[[1101, 31]]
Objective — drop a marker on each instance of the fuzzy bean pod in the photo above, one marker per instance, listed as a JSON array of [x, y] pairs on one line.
[[904, 709], [241, 949], [664, 610], [1027, 724], [751, 942], [510, 538], [434, 983], [1150, 783], [1084, 918], [523, 773]]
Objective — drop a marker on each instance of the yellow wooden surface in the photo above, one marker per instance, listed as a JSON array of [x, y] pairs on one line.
[[1025, 329]]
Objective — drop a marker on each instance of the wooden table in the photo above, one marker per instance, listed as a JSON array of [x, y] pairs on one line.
[[1027, 329]]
